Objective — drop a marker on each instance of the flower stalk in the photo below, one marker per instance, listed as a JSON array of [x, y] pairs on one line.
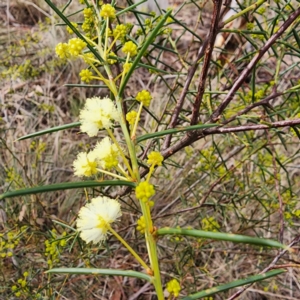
[[108, 157]]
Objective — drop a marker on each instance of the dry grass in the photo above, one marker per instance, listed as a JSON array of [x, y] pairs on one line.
[[243, 201]]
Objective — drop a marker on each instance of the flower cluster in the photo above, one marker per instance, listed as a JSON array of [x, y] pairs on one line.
[[70, 30], [97, 114], [130, 48], [54, 246], [173, 287], [88, 58], [144, 97], [120, 31], [107, 11], [144, 191], [210, 224], [73, 48], [126, 67], [86, 75], [105, 155], [155, 158], [94, 218], [62, 50], [88, 14], [85, 164], [7, 245], [21, 288], [131, 117], [111, 60], [76, 46], [141, 225]]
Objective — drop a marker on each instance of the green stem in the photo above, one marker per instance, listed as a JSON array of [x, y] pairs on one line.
[[124, 71], [133, 131], [129, 249], [130, 145], [150, 172], [150, 241], [113, 175], [120, 169], [106, 38], [253, 6], [121, 152], [152, 250]]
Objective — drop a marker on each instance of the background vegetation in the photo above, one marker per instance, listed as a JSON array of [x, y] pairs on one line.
[[241, 177]]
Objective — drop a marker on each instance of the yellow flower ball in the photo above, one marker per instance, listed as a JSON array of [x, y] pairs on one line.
[[144, 97], [130, 48], [144, 191], [107, 11], [94, 218]]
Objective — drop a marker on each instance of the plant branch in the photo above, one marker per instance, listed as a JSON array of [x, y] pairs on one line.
[[277, 187], [179, 104], [271, 266], [190, 76], [239, 81], [265, 101], [188, 140], [214, 28]]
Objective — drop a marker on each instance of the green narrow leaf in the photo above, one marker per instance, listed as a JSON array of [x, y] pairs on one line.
[[174, 130], [143, 50], [296, 36], [233, 284], [129, 8], [186, 28], [65, 186], [151, 68], [235, 238], [109, 272], [49, 130]]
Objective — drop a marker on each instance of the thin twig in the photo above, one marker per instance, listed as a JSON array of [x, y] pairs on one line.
[[188, 140], [265, 101], [190, 76], [277, 187], [269, 267], [214, 28], [239, 81], [179, 104], [278, 124]]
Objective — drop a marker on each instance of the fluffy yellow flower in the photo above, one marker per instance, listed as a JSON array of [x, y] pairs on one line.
[[131, 117], [107, 11], [76, 46], [126, 67], [141, 225], [85, 164], [88, 12], [62, 50], [173, 287], [106, 153], [88, 58], [144, 97], [120, 31], [94, 218], [97, 114], [130, 47], [155, 158], [144, 191], [70, 31], [86, 75]]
